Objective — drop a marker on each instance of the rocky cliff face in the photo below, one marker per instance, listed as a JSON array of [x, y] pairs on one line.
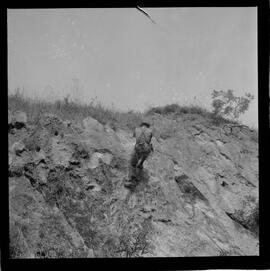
[[197, 195]]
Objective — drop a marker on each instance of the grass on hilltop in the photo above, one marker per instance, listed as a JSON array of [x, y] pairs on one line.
[[115, 119], [74, 111], [176, 110]]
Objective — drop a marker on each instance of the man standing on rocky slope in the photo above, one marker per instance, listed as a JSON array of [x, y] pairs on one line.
[[143, 148]]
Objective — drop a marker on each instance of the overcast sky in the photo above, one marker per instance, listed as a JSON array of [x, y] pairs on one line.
[[120, 56]]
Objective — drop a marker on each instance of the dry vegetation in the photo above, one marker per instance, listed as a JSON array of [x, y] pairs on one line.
[[74, 111], [116, 120]]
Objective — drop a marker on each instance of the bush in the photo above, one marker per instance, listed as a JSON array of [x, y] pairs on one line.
[[225, 103], [177, 110]]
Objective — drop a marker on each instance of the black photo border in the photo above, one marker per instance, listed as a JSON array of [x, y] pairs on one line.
[[184, 263]]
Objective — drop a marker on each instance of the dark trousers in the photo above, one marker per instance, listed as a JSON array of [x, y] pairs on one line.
[[136, 162]]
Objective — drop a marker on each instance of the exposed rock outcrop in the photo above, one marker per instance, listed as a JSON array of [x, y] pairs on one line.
[[197, 194]]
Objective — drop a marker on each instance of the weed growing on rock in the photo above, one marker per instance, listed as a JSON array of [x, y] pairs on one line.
[[135, 243], [223, 252]]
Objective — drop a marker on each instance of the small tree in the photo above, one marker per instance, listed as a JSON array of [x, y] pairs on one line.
[[225, 103]]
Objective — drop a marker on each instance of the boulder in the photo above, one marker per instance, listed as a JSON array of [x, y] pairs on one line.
[[91, 124], [61, 153], [17, 148], [19, 119], [97, 157], [16, 165], [42, 175], [39, 157]]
